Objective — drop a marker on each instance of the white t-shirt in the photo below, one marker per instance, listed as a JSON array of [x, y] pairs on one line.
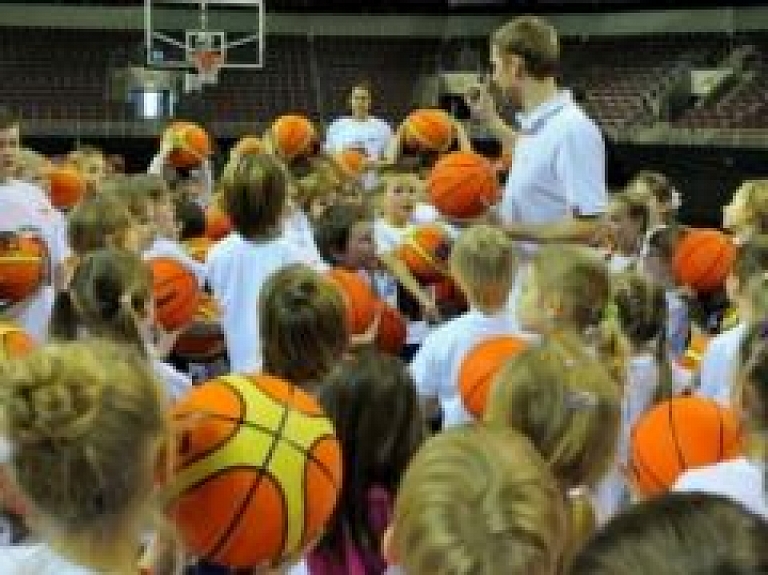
[[237, 270], [436, 366], [37, 559], [720, 364], [298, 230], [167, 248], [559, 168], [740, 480], [372, 135], [26, 208]]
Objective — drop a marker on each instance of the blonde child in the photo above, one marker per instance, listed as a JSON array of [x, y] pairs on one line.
[[238, 266], [720, 363], [86, 425], [110, 296], [662, 197], [629, 215], [478, 501], [747, 213], [91, 163], [484, 265], [373, 404], [302, 326], [32, 168]]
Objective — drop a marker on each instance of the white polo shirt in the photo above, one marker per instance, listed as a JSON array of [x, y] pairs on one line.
[[559, 166], [371, 135]]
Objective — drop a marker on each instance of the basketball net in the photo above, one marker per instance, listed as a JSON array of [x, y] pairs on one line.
[[207, 63]]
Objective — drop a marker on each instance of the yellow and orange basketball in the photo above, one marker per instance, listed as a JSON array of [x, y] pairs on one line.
[[425, 251], [677, 435], [480, 367], [361, 303], [176, 293], [463, 185], [23, 264], [66, 186], [703, 259], [293, 136], [195, 144], [14, 341], [258, 471], [391, 336], [428, 130]]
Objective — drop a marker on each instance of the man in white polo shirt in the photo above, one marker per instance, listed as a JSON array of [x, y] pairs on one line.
[[360, 131], [555, 190]]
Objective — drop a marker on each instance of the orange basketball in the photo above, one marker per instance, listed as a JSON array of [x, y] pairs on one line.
[[680, 434], [217, 223], [66, 186], [194, 144], [703, 260], [359, 299], [176, 293], [23, 266], [428, 130], [463, 185], [198, 248], [247, 145], [425, 251], [351, 162], [392, 333], [258, 471], [203, 339], [480, 367], [293, 136]]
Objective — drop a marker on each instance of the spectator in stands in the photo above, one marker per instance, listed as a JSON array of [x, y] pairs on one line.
[[360, 131], [557, 189]]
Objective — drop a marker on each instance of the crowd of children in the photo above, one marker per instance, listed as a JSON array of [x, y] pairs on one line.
[[541, 478]]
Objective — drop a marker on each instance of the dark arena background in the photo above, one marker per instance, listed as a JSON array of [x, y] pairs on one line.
[[677, 88]]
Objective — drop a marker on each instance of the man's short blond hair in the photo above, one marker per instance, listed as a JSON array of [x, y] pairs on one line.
[[532, 39]]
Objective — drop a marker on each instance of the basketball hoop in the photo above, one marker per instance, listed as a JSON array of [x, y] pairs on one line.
[[207, 63]]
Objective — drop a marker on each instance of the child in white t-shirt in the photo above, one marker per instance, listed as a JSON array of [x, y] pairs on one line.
[[484, 265], [238, 266]]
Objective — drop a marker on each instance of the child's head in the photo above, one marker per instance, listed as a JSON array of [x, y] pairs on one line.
[[159, 204], [92, 165], [678, 534], [344, 237], [568, 287], [32, 168], [483, 263], [254, 195], [102, 221], [402, 191], [566, 402], [747, 212], [315, 194], [373, 404], [663, 200], [302, 323], [131, 193], [110, 296], [87, 423], [630, 218], [479, 501], [751, 260], [191, 219]]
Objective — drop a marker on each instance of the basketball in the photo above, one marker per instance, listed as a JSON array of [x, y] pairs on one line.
[[203, 338], [351, 162], [463, 185], [258, 471], [392, 333], [66, 186], [425, 252], [428, 130], [247, 145], [15, 341], [703, 260], [198, 248], [677, 435], [194, 144], [360, 301], [293, 136], [217, 223], [480, 367], [176, 293], [22, 266]]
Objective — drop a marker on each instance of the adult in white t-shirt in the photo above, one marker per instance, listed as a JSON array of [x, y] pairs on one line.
[[360, 131], [25, 209], [556, 189]]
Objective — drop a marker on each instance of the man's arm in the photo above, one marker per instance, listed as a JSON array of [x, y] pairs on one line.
[[582, 229]]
